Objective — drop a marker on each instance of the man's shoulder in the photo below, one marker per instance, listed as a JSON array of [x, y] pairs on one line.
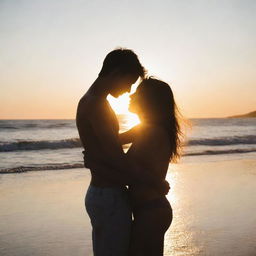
[[89, 102], [87, 99], [90, 105]]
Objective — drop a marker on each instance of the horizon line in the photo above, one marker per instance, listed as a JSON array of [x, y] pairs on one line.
[[6, 119]]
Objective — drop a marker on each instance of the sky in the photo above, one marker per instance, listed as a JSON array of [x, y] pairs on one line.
[[51, 51]]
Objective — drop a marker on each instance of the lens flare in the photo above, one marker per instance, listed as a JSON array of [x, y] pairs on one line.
[[120, 106]]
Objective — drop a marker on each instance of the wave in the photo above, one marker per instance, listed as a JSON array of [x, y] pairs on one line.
[[223, 141], [35, 124], [21, 169], [221, 152], [76, 143], [38, 145], [8, 127]]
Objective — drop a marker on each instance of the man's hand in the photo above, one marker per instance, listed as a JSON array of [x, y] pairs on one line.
[[88, 161], [164, 187]]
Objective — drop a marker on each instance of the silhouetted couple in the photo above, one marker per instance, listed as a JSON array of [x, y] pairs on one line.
[[126, 198]]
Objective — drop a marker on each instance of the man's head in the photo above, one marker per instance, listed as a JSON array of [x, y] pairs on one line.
[[123, 67]]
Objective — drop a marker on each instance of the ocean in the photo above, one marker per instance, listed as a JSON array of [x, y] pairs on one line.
[[213, 190], [27, 145]]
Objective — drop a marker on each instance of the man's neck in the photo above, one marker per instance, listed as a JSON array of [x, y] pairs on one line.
[[100, 87]]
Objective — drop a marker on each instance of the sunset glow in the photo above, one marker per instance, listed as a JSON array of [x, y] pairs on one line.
[[52, 52], [120, 105]]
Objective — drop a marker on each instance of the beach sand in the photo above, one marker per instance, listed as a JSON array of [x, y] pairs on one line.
[[214, 205]]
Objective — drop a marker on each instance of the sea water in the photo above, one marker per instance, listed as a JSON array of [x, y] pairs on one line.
[[54, 144], [42, 210]]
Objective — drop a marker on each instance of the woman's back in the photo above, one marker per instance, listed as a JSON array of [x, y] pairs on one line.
[[150, 150]]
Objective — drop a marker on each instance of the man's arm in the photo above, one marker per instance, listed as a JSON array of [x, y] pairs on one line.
[[128, 136]]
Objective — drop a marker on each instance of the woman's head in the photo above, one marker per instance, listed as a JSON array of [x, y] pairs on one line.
[[154, 103]]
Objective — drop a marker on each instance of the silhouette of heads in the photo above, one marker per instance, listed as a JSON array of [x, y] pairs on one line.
[[124, 61], [124, 68], [154, 102]]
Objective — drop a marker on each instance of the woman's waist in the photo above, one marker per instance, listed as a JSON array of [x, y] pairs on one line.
[[140, 195], [153, 203]]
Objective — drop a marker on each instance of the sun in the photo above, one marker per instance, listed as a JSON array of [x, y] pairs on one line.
[[120, 106]]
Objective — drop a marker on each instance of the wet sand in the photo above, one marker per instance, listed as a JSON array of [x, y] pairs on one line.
[[214, 204]]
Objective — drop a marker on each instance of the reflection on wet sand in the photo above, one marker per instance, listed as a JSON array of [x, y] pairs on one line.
[[42, 213], [213, 205]]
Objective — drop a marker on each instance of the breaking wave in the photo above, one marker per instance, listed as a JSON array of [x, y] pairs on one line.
[[38, 145], [75, 143]]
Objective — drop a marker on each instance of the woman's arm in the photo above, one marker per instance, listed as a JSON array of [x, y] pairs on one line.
[[128, 136]]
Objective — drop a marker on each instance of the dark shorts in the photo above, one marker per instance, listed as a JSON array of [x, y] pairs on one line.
[[111, 218]]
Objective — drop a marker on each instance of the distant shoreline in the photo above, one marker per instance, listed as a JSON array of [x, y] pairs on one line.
[[248, 115], [188, 118]]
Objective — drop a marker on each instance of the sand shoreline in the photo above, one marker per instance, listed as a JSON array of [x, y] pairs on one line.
[[43, 213], [184, 160]]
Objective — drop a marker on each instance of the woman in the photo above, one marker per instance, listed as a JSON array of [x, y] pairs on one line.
[[155, 142]]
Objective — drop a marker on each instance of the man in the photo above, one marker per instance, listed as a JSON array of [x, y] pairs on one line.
[[106, 200]]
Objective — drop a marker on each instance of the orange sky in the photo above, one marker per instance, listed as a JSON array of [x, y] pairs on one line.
[[51, 51]]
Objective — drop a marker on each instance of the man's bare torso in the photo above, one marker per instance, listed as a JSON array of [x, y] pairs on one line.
[[90, 111]]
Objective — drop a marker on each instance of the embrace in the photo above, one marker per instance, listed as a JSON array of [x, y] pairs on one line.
[[126, 198]]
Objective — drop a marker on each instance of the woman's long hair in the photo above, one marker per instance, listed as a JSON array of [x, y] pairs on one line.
[[159, 106]]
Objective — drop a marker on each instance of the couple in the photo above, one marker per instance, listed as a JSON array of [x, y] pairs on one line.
[[126, 198]]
